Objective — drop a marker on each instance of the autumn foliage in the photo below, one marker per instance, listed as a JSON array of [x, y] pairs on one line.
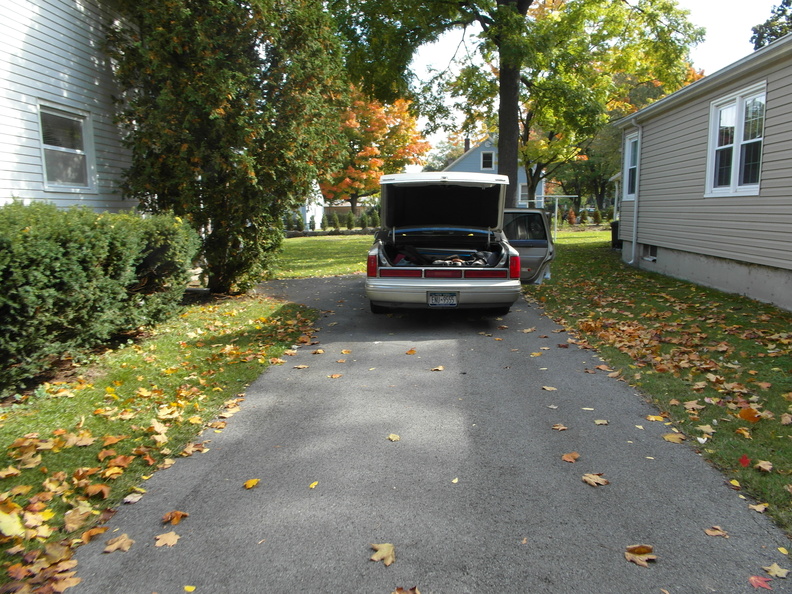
[[380, 138]]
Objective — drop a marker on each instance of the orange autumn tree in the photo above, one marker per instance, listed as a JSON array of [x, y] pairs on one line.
[[381, 138]]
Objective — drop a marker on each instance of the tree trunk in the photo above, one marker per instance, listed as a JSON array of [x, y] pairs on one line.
[[509, 130]]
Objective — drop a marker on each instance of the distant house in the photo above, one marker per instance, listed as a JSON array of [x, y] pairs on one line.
[[707, 180], [483, 158], [58, 142]]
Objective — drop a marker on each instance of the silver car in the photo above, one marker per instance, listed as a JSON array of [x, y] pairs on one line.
[[441, 244]]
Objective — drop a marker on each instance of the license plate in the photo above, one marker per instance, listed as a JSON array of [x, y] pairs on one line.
[[442, 299]]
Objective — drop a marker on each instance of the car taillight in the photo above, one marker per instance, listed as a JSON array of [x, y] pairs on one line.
[[514, 266], [371, 265]]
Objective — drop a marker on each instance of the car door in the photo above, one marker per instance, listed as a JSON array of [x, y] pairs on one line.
[[528, 231]]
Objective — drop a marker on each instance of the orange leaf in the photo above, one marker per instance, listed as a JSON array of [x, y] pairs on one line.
[[99, 489], [570, 457], [749, 414], [174, 517], [88, 535], [251, 483]]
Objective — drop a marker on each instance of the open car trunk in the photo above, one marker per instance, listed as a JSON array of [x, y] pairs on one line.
[[441, 245]]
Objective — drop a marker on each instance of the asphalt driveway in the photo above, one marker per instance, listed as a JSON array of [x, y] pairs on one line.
[[474, 495]]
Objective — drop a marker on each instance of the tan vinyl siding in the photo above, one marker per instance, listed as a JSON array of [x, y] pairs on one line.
[[673, 210], [51, 56]]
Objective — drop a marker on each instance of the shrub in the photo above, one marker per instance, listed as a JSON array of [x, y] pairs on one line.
[[325, 223], [299, 222], [363, 221], [350, 220], [334, 222], [583, 216], [571, 217], [72, 279], [375, 220], [596, 217], [312, 223]]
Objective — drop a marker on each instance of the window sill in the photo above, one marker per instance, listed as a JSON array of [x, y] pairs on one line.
[[751, 191]]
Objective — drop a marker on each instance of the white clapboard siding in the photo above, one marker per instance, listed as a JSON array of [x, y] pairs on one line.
[[50, 54]]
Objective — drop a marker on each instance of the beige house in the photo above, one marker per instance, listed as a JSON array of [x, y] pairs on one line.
[[706, 190]]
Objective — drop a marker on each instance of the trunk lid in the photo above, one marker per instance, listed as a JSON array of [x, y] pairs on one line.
[[443, 199]]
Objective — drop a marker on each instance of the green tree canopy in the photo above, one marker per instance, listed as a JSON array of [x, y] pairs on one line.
[[778, 25], [230, 110], [546, 64]]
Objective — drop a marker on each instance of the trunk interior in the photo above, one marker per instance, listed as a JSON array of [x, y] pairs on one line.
[[445, 249]]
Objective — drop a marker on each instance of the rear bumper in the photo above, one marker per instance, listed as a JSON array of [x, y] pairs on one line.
[[413, 293]]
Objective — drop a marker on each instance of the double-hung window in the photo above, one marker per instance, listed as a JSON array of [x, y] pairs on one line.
[[67, 150], [488, 160], [734, 158], [630, 166]]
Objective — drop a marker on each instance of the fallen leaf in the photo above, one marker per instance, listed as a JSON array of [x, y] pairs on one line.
[[455, 480], [410, 352], [119, 543], [758, 581], [600, 422], [400, 590], [89, 534], [394, 437], [549, 388], [385, 553], [300, 367], [313, 485], [776, 571], [438, 368], [764, 465], [189, 588], [560, 427], [570, 457], [744, 431], [174, 517], [249, 484], [168, 539], [334, 376], [749, 414], [744, 461], [674, 437], [640, 554], [318, 352], [595, 479], [11, 525], [760, 507], [716, 531], [655, 418]]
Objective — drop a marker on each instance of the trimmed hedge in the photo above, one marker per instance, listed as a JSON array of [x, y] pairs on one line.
[[70, 279]]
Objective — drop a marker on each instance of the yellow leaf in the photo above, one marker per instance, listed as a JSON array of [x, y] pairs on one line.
[[745, 432], [394, 437], [764, 465], [654, 418], [776, 571], [674, 437], [384, 552], [251, 483], [455, 480], [600, 422], [549, 388], [438, 368], [189, 588], [783, 550], [716, 531], [734, 483], [11, 525], [313, 485]]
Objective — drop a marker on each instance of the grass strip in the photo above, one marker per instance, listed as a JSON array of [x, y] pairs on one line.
[[73, 450], [717, 365]]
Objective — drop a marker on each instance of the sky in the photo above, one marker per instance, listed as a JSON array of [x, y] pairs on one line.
[[728, 24]]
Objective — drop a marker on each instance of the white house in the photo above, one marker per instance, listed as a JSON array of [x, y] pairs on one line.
[[707, 180], [483, 158], [58, 141]]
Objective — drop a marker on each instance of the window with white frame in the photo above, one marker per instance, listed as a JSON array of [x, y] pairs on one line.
[[734, 157], [630, 166], [488, 160], [538, 201], [67, 150]]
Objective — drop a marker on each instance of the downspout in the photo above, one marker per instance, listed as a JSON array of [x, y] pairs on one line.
[[637, 192]]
